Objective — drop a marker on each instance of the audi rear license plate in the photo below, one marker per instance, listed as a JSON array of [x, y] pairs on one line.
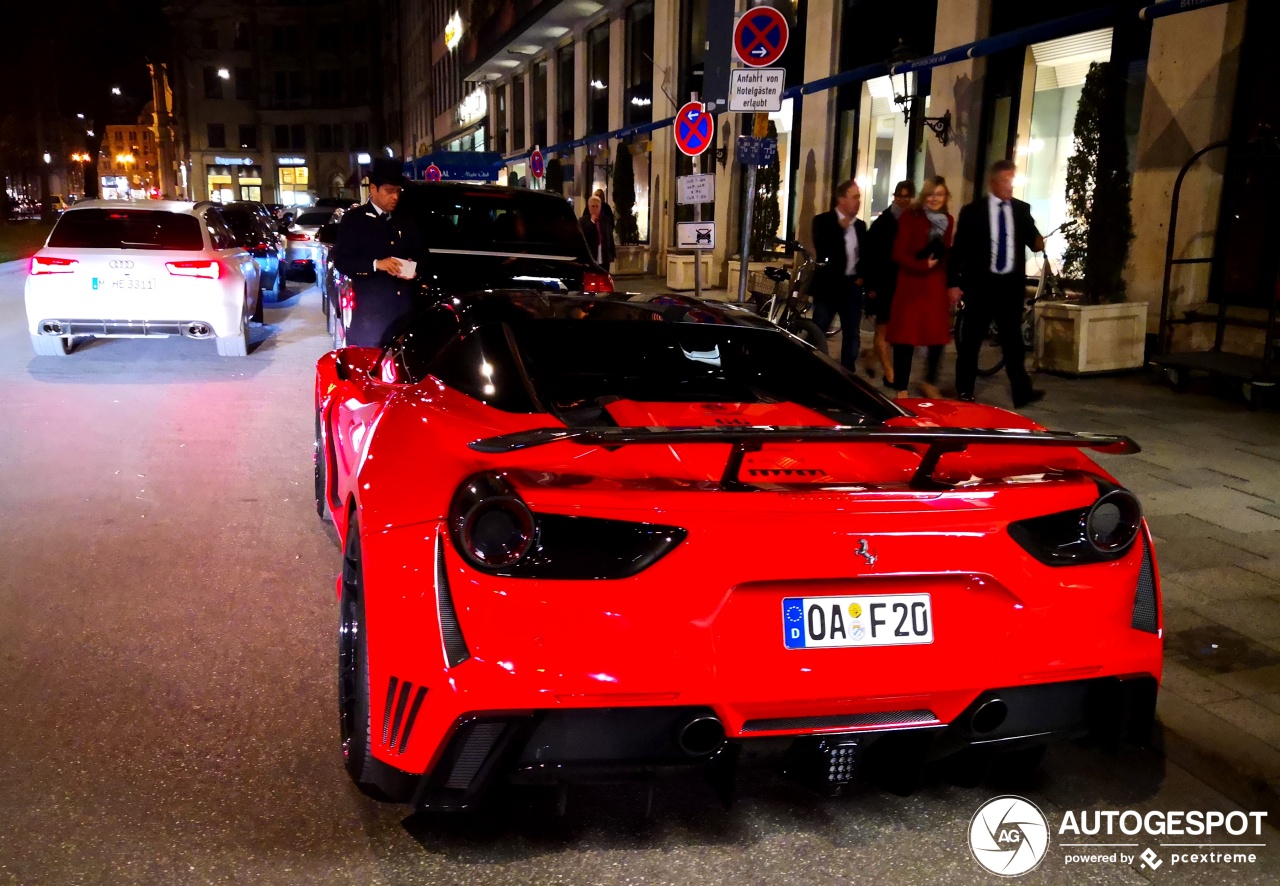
[[834, 622], [122, 284]]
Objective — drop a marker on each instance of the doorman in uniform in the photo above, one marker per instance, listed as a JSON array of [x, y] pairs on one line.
[[374, 249]]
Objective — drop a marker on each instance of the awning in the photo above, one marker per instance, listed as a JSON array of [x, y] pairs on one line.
[[1169, 7], [471, 166]]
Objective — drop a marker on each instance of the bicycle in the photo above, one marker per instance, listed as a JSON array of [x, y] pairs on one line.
[[784, 300], [1048, 288]]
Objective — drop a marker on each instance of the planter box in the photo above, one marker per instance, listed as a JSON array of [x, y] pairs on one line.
[[1079, 339], [632, 260], [680, 271]]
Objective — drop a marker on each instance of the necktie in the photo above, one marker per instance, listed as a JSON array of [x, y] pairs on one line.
[[1002, 234]]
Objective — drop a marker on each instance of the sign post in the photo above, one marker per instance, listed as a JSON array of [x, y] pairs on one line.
[[695, 130]]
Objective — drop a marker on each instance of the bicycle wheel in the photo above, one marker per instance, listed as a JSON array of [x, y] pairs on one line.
[[990, 354]]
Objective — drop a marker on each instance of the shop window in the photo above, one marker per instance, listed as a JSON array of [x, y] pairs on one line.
[[540, 103], [883, 159], [564, 103], [517, 113], [638, 101], [598, 79], [1057, 69]]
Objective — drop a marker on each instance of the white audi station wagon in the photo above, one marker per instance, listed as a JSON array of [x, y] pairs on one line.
[[112, 269]]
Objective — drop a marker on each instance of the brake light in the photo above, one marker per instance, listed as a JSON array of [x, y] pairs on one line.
[[47, 265], [297, 235], [595, 282], [210, 270]]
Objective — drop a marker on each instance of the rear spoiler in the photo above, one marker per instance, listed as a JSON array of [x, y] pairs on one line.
[[750, 439]]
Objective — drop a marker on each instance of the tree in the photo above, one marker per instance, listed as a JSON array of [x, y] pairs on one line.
[[624, 197], [1098, 189], [765, 215], [555, 176]]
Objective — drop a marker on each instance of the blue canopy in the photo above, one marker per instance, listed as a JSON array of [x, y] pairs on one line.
[[472, 166]]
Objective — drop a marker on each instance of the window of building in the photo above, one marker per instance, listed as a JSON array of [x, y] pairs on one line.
[[517, 113], [249, 137], [281, 140], [638, 100], [208, 35], [883, 152], [212, 83], [540, 103], [360, 86], [244, 84], [693, 46], [598, 79], [119, 135], [564, 101], [359, 137], [277, 37], [502, 119], [282, 87], [298, 131], [241, 40], [217, 135], [324, 137], [328, 88]]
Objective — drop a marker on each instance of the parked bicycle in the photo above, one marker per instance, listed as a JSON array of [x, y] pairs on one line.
[[1048, 288], [784, 300]]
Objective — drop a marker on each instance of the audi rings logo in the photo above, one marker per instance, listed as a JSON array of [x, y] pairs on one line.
[[1008, 836], [120, 264]]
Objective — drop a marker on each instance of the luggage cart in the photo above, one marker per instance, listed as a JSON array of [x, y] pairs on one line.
[[1255, 375]]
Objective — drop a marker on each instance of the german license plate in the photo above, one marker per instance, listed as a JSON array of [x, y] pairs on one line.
[[834, 622], [123, 284]]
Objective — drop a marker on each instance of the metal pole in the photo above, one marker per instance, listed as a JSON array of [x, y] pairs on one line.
[[748, 208], [697, 217]]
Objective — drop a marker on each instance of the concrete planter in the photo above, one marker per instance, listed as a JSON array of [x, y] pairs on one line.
[[631, 260], [680, 270], [1079, 339]]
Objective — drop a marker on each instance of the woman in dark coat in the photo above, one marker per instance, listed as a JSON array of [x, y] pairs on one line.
[[921, 306], [598, 229]]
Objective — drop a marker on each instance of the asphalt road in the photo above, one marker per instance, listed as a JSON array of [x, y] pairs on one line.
[[167, 634]]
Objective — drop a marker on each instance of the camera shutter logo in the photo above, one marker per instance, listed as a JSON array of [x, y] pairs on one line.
[[1009, 836]]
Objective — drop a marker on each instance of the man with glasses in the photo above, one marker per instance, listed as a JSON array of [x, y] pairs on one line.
[[882, 271]]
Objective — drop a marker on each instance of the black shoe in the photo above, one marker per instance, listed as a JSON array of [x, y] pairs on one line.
[[966, 398], [1034, 396]]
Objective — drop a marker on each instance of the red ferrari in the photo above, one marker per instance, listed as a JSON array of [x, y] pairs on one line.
[[589, 537]]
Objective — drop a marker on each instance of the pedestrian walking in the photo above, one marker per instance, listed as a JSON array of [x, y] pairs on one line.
[[598, 229], [605, 209], [380, 253], [839, 243], [921, 304], [881, 271], [988, 270]]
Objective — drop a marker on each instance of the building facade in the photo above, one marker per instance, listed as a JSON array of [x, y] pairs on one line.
[[129, 160], [587, 79], [278, 101]]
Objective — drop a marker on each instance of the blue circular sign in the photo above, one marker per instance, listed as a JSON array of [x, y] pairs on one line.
[[536, 164], [760, 36], [695, 129]]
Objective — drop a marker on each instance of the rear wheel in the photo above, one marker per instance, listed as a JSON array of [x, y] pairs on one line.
[[373, 777], [257, 315], [236, 344], [806, 330], [51, 345]]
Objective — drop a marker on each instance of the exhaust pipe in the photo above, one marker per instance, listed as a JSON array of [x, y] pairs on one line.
[[198, 330], [51, 327], [989, 715], [699, 734]]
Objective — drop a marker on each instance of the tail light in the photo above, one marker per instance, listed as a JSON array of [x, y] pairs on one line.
[[48, 265], [210, 270], [496, 532], [295, 236], [597, 282], [1103, 531]]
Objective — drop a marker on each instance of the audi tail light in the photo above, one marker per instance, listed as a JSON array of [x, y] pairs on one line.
[[47, 265], [210, 270], [295, 236], [597, 282]]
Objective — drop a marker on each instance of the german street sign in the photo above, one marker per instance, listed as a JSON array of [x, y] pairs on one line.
[[756, 90], [696, 235], [696, 189], [536, 164], [756, 151], [695, 129], [433, 173], [760, 36]]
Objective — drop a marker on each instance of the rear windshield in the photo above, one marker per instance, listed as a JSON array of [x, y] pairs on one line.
[[127, 229], [314, 218], [494, 221], [242, 221]]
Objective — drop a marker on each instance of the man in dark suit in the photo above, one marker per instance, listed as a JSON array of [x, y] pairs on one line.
[[375, 250], [987, 268], [839, 239]]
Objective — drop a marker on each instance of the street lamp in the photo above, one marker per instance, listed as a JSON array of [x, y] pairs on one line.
[[224, 74], [115, 90], [904, 99]]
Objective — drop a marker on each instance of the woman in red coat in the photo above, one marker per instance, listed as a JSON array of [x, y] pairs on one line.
[[921, 313]]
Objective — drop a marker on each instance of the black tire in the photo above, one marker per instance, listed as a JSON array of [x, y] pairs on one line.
[[321, 471], [808, 331], [990, 355], [51, 345], [278, 291], [257, 316], [373, 777]]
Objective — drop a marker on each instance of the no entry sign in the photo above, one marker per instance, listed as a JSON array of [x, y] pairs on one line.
[[536, 164], [760, 36], [695, 129]]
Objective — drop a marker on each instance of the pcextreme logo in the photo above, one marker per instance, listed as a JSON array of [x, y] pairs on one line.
[[1010, 836]]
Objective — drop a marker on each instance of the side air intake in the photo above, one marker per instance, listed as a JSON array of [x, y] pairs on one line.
[[395, 738], [1146, 611], [455, 645]]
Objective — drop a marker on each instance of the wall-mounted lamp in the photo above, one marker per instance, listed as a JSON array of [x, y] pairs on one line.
[[903, 97], [722, 152]]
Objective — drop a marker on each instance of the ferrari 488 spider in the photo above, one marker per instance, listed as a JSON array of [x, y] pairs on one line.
[[586, 537]]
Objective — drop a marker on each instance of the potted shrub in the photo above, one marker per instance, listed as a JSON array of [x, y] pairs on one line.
[[632, 257], [555, 176], [1101, 332]]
